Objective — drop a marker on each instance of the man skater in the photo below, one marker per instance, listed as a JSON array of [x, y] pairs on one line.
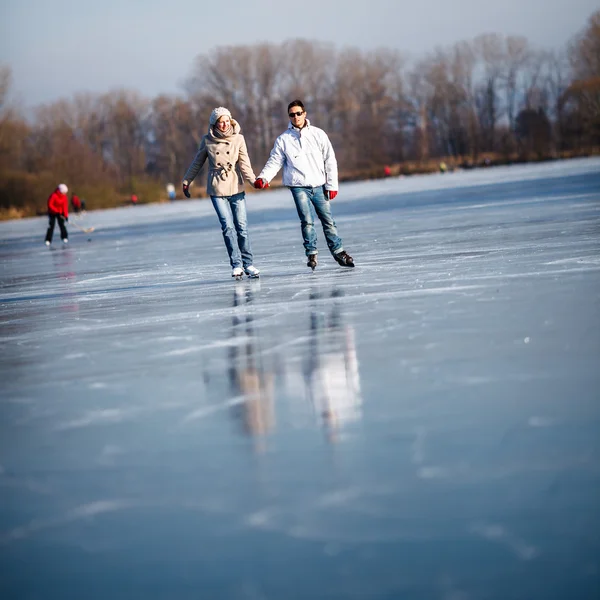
[[58, 210], [310, 172]]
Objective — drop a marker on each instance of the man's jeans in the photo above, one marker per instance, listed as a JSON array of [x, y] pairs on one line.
[[303, 198], [231, 211]]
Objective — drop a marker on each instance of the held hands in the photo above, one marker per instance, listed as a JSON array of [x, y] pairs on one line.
[[186, 189], [330, 194], [260, 184]]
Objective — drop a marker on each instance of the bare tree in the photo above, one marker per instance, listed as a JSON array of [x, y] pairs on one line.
[[490, 51], [308, 73], [170, 146], [12, 127], [364, 104], [584, 50], [555, 82], [581, 100], [264, 111], [420, 93], [401, 114], [517, 55], [124, 115], [5, 83], [14, 131], [449, 76]]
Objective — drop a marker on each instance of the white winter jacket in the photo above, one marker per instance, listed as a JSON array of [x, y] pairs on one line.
[[307, 158]]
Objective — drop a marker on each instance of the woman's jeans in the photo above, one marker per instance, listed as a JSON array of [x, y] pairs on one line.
[[231, 211], [304, 197]]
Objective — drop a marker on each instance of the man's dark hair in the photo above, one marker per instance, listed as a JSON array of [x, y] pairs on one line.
[[296, 103]]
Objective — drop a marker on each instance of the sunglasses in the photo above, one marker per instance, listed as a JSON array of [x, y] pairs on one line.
[[296, 114]]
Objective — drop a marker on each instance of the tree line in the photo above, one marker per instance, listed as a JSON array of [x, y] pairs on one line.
[[492, 96]]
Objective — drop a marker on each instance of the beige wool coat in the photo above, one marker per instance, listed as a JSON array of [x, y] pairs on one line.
[[228, 163]]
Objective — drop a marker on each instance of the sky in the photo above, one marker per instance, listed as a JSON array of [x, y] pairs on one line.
[[56, 48]]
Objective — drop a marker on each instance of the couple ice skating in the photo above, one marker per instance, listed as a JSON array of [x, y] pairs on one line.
[[309, 171]]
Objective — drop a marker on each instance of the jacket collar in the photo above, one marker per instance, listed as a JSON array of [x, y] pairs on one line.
[[290, 126]]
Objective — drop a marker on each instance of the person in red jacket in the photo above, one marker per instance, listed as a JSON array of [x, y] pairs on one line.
[[58, 210], [75, 203]]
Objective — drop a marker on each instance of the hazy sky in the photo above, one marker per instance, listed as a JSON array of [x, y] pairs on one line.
[[58, 47]]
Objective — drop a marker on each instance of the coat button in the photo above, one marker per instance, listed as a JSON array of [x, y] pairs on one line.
[[227, 151], [217, 153]]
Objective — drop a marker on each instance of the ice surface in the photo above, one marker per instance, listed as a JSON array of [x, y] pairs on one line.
[[425, 425]]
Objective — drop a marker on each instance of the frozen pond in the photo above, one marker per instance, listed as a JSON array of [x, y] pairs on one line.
[[426, 425]]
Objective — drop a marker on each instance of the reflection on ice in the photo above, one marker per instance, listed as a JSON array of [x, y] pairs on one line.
[[250, 374], [331, 372], [318, 369], [325, 376]]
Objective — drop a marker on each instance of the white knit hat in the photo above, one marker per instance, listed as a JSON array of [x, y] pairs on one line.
[[217, 113], [62, 188]]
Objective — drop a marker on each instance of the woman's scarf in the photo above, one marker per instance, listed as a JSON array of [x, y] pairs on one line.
[[217, 134]]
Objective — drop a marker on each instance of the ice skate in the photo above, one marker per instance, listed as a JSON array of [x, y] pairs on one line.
[[237, 273], [65, 241], [252, 272], [312, 261], [344, 259], [47, 243]]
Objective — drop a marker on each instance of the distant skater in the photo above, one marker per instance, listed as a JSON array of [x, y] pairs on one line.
[[228, 164], [58, 210], [76, 203], [310, 172]]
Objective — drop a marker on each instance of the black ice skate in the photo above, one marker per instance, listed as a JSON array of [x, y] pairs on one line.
[[312, 261], [344, 259]]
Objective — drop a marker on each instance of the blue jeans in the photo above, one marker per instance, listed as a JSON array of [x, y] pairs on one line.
[[231, 211], [304, 197]]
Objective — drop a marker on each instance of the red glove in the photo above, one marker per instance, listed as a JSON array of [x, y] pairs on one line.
[[259, 184], [331, 194]]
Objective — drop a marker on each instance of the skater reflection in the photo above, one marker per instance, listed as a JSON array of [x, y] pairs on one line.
[[331, 374], [64, 269], [248, 376]]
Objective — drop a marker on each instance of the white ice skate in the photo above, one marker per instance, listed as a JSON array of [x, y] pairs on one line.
[[252, 272], [237, 273]]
